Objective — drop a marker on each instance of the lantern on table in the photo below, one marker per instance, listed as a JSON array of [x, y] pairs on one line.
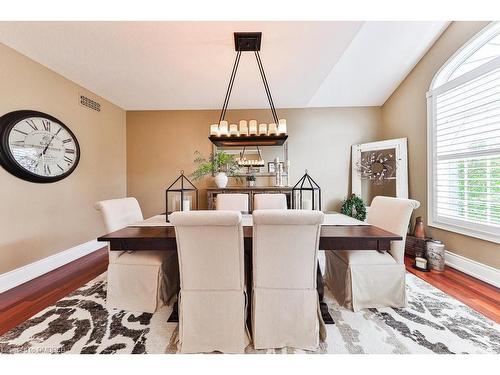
[[182, 195], [306, 194]]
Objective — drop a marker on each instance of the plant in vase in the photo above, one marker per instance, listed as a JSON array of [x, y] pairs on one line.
[[251, 180], [219, 164]]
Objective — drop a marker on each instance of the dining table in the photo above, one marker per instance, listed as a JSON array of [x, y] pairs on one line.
[[338, 232]]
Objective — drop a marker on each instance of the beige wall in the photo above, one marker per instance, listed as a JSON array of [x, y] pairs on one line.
[[405, 115], [38, 220], [161, 143]]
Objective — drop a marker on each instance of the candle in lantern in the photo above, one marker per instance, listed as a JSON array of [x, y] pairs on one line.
[[282, 126], [233, 130], [214, 129], [262, 129], [272, 129], [186, 204], [243, 127], [223, 128], [307, 203], [252, 127]]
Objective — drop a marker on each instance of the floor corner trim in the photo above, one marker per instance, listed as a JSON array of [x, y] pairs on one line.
[[30, 271]]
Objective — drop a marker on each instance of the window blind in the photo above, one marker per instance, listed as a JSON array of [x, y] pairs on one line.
[[466, 184]]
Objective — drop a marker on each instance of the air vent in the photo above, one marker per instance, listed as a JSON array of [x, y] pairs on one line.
[[89, 103]]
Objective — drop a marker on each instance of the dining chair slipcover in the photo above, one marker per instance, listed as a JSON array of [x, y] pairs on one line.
[[269, 201], [368, 279], [285, 302], [232, 202], [212, 300], [139, 281]]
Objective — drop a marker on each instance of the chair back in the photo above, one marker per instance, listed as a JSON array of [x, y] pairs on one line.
[[285, 247], [118, 213], [269, 201], [232, 202], [210, 249], [393, 215]]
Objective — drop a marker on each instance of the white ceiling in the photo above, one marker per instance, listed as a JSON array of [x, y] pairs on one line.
[[186, 65]]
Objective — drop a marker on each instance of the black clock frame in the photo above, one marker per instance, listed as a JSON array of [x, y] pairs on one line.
[[8, 162]]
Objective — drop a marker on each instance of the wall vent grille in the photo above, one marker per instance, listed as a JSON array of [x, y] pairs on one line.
[[89, 103]]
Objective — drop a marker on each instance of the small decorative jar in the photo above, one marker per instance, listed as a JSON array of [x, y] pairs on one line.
[[435, 255], [419, 228]]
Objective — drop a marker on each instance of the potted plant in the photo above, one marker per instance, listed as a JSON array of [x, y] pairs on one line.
[[251, 180], [219, 164]]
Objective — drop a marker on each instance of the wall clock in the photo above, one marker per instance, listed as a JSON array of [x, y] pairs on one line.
[[37, 147]]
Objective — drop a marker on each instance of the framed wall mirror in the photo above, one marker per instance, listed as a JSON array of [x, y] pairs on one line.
[[380, 168], [267, 154]]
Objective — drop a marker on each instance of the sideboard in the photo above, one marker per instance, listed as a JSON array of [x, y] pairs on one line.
[[251, 191]]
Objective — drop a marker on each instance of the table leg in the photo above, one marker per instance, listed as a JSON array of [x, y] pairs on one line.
[[320, 286], [174, 316]]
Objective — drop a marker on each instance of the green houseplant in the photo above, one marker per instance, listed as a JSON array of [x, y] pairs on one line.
[[220, 164]]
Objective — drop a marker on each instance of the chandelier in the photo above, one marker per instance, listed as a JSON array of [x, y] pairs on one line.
[[248, 132]]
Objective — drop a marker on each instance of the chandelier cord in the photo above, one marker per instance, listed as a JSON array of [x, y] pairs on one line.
[[230, 86], [266, 86], [231, 83]]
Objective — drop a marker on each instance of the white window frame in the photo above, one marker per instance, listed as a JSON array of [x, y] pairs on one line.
[[477, 230]]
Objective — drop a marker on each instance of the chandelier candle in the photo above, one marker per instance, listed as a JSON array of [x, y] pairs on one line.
[[243, 127], [253, 127], [223, 128], [233, 130], [214, 129], [272, 129], [282, 126], [262, 129]]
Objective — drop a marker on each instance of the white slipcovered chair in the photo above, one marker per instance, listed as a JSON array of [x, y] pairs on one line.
[[367, 278], [212, 300], [269, 201], [285, 302], [232, 202], [137, 281]]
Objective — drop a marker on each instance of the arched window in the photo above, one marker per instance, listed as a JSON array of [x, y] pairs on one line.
[[464, 140]]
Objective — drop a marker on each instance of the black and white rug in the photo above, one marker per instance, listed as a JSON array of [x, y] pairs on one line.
[[433, 322]]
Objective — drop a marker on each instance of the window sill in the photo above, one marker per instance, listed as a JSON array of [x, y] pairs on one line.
[[470, 232]]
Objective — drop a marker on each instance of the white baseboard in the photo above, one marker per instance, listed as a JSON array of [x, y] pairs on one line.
[[475, 269], [26, 273]]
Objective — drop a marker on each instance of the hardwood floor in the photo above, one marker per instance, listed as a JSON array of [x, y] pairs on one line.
[[475, 293], [24, 301]]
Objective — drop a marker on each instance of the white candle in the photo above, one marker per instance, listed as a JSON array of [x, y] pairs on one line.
[[282, 126], [262, 129], [223, 128], [243, 127], [252, 127], [307, 203], [233, 130], [272, 129], [421, 262], [186, 204], [214, 129]]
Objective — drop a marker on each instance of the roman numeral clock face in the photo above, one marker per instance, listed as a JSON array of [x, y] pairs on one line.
[[37, 147]]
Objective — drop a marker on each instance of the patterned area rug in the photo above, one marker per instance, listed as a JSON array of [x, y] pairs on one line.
[[433, 322]]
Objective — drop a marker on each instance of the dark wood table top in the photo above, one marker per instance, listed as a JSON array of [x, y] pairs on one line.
[[333, 237]]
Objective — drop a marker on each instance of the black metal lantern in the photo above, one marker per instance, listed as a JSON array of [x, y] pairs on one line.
[[306, 194], [182, 195]]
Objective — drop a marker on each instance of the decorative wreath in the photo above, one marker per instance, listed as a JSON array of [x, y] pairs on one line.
[[354, 207]]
